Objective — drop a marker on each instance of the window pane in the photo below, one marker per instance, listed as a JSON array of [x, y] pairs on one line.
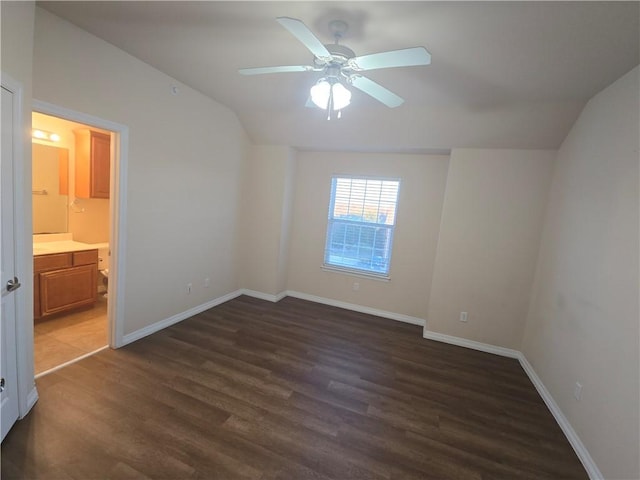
[[361, 221]]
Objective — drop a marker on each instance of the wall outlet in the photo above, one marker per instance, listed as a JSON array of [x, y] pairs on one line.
[[189, 287], [207, 282], [356, 286], [577, 391], [464, 316]]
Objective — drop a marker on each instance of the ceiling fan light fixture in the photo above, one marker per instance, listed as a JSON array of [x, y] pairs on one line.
[[330, 94], [342, 68]]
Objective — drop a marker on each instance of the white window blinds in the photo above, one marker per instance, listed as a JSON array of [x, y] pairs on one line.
[[362, 218]]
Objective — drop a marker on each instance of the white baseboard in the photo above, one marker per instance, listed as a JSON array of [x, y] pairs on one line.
[[357, 308], [463, 342], [335, 303], [264, 296], [567, 429], [167, 322], [582, 452], [32, 398]]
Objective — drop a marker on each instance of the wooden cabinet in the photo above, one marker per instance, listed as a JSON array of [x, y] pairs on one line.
[[64, 281], [92, 160]]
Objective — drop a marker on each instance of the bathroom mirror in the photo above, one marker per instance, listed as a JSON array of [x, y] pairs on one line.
[[50, 184]]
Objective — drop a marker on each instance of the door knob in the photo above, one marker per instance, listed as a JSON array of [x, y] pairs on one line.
[[1, 384], [13, 285]]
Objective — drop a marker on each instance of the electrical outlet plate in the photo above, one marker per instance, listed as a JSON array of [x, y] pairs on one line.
[[189, 287], [464, 316], [577, 391]]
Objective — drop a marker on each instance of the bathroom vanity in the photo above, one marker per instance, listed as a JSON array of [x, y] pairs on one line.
[[65, 277]]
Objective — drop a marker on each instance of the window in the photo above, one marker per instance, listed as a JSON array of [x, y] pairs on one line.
[[362, 217]]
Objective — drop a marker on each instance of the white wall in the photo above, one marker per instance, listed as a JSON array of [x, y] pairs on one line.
[[266, 218], [16, 56], [489, 237], [423, 179], [583, 321], [184, 168]]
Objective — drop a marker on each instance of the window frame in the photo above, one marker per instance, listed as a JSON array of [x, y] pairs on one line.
[[332, 221]]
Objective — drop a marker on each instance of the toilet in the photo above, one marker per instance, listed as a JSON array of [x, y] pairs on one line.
[[103, 266]]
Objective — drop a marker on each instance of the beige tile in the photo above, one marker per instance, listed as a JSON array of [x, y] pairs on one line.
[[64, 338]]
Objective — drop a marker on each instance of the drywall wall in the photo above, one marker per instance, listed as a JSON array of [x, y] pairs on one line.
[[491, 222], [288, 198], [583, 321], [423, 179], [184, 168], [265, 218], [17, 24]]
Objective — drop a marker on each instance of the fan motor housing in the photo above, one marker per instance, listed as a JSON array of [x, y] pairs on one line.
[[340, 53]]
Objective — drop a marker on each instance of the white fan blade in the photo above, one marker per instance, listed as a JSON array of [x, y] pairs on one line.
[[306, 36], [407, 57], [377, 91], [282, 69]]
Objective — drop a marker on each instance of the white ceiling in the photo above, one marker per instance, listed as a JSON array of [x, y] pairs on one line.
[[503, 74]]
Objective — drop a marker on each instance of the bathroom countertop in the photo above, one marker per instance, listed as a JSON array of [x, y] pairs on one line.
[[64, 246]]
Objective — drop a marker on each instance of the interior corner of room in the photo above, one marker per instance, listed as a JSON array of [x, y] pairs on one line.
[[518, 222]]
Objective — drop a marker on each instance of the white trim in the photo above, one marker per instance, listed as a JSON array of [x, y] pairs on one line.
[[27, 393], [356, 273], [167, 322], [32, 398], [263, 296], [117, 204], [582, 452], [463, 342], [75, 116], [70, 362], [574, 440], [399, 317]]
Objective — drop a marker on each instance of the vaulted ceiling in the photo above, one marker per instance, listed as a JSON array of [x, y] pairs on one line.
[[503, 74]]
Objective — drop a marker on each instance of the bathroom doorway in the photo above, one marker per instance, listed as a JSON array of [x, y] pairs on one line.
[[72, 219]]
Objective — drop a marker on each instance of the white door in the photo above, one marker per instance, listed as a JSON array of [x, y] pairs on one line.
[[8, 367]]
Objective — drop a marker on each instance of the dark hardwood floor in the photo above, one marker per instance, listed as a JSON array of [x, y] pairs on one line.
[[289, 391]]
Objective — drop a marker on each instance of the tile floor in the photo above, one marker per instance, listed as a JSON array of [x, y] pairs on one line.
[[61, 339]]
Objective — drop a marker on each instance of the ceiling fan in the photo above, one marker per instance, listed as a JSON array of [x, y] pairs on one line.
[[341, 67]]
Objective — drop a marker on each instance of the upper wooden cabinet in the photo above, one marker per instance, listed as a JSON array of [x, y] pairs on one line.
[[93, 155]]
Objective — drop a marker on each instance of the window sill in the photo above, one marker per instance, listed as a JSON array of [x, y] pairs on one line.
[[356, 273]]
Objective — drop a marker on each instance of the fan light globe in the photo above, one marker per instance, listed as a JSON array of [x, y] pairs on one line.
[[341, 96], [322, 91], [320, 94]]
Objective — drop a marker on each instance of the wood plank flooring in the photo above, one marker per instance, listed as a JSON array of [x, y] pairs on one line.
[[289, 391]]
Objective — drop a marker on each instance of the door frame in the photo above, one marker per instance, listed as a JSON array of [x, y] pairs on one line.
[[27, 392], [117, 207]]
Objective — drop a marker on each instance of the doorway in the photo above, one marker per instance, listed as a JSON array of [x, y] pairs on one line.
[[70, 207], [95, 220]]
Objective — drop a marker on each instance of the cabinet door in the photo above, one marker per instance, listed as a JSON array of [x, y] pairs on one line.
[[100, 162], [92, 164], [69, 288]]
